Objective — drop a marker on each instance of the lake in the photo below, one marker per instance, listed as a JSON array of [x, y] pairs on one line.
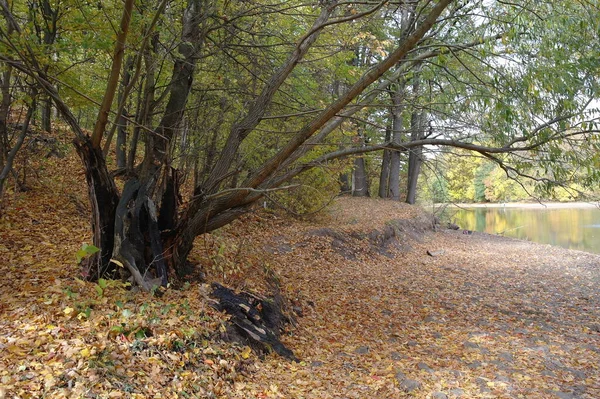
[[569, 226]]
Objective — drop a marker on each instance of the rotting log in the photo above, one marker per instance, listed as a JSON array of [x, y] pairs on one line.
[[257, 321]]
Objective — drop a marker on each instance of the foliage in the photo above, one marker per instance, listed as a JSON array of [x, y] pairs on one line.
[[481, 175], [85, 251], [310, 191]]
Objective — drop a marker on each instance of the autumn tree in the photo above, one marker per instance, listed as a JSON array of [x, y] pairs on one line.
[[244, 95], [143, 219]]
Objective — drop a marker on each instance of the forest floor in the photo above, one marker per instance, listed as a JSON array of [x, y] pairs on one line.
[[486, 317]]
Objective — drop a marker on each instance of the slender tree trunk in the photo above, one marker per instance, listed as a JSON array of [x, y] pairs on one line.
[[398, 98], [211, 150], [415, 157], [46, 118], [113, 78], [121, 150], [146, 104], [8, 163], [4, 111], [384, 177]]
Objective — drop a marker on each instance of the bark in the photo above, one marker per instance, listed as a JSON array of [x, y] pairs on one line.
[[179, 88], [121, 149], [145, 105], [50, 31], [113, 78], [398, 99], [414, 158], [136, 230], [211, 150], [384, 177], [345, 187], [121, 123], [104, 199], [254, 320], [8, 163], [4, 110], [360, 181], [46, 120]]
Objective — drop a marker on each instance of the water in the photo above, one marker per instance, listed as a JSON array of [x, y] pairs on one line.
[[574, 228]]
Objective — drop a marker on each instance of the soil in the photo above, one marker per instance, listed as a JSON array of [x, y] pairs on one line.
[[487, 316]]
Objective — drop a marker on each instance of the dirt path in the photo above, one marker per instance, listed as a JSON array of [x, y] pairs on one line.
[[490, 317]]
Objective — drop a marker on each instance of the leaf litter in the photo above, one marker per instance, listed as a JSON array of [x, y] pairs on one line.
[[489, 317]]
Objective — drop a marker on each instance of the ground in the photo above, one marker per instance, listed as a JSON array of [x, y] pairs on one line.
[[377, 317]]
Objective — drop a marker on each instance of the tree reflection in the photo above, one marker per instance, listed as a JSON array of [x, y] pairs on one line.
[[573, 228]]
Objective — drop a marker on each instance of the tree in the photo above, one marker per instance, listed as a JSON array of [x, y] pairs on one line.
[[148, 202]]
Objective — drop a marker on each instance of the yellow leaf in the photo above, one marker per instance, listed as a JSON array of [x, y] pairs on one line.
[[85, 352], [246, 352], [14, 349], [68, 310]]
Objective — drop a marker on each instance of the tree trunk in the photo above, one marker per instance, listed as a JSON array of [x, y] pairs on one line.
[[416, 133], [121, 125], [415, 157], [384, 177], [360, 179], [345, 187], [104, 199], [46, 119], [6, 166], [145, 104], [397, 133], [4, 110], [121, 149]]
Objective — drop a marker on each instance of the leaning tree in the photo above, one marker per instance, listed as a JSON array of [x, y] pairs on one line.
[[140, 228]]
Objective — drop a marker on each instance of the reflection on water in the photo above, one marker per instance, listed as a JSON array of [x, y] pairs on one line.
[[569, 228]]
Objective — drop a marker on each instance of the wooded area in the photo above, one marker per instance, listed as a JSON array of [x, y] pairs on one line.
[[216, 105]]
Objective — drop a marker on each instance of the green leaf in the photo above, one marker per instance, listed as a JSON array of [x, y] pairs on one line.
[[85, 251], [140, 334]]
